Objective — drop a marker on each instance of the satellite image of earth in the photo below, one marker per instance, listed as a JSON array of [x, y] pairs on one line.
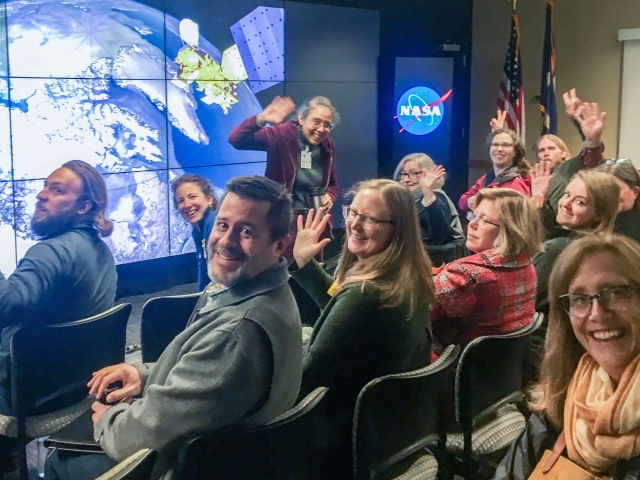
[[90, 80]]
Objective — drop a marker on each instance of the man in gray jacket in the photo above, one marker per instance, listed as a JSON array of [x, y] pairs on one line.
[[238, 361]]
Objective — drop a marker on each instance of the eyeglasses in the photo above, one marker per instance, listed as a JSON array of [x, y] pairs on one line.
[[613, 161], [316, 122], [616, 299], [504, 146], [367, 221], [411, 175], [482, 221]]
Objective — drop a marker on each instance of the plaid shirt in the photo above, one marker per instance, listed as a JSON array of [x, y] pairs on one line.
[[483, 294]]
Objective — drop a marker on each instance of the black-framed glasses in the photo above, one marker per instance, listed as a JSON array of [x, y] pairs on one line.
[[616, 299], [316, 122], [412, 175], [482, 221], [367, 221]]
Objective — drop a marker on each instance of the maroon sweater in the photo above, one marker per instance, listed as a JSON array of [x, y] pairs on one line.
[[281, 144]]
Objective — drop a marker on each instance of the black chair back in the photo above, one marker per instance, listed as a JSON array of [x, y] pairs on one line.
[[397, 415], [136, 467], [493, 371], [50, 363], [284, 449], [162, 319]]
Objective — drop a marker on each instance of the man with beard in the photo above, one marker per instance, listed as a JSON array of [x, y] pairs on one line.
[[68, 275], [237, 363]]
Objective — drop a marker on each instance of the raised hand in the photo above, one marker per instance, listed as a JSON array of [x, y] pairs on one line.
[[540, 182], [498, 121], [571, 102], [471, 202], [592, 122], [276, 111], [308, 243], [123, 372], [429, 179]]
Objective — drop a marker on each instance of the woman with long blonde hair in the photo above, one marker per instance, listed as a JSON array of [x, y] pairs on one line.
[[375, 314], [589, 205]]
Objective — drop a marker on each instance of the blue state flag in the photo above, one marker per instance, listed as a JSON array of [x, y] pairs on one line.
[[548, 108]]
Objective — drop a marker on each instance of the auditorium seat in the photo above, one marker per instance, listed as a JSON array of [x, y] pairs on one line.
[[399, 422], [491, 379], [137, 467], [50, 368], [162, 319], [285, 448]]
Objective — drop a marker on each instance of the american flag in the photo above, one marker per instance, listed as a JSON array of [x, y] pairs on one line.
[[511, 95]]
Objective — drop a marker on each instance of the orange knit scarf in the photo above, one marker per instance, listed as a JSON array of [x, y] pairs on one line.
[[602, 423]]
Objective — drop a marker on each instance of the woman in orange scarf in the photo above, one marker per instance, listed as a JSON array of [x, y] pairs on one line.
[[589, 388]]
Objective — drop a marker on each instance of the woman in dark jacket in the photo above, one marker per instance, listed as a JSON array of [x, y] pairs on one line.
[[589, 379], [196, 203], [442, 232], [589, 205], [627, 177], [375, 314]]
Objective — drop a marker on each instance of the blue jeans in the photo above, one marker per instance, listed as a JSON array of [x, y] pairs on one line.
[[66, 465]]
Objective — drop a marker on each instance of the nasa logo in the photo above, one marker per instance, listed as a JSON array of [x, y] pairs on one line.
[[420, 110]]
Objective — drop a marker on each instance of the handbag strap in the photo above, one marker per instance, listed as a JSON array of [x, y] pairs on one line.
[[558, 448]]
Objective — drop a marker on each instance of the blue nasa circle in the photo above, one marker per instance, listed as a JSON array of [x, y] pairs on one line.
[[414, 113]]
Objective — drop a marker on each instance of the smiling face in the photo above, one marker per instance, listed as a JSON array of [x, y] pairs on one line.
[[576, 207], [240, 245], [412, 180], [502, 151], [58, 206], [316, 126], [365, 242], [550, 152], [612, 338], [482, 237], [192, 202]]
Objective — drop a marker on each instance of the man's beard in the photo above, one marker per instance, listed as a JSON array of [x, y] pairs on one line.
[[233, 278], [52, 225]]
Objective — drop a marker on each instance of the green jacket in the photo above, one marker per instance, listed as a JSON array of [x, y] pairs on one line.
[[356, 340]]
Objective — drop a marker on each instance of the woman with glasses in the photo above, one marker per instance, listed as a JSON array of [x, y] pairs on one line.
[[627, 177], [492, 291], [586, 400], [300, 154], [589, 205], [439, 220], [375, 313], [510, 169]]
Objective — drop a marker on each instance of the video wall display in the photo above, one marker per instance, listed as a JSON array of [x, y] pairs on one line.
[[135, 92]]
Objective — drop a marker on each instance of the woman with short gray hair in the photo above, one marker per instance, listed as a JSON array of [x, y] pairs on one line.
[[300, 154]]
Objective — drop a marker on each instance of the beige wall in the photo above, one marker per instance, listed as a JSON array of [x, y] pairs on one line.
[[588, 52]]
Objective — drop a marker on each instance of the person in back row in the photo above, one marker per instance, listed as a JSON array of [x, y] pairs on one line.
[[510, 169], [627, 177], [237, 363], [375, 313], [196, 203], [300, 154], [439, 220], [68, 275]]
